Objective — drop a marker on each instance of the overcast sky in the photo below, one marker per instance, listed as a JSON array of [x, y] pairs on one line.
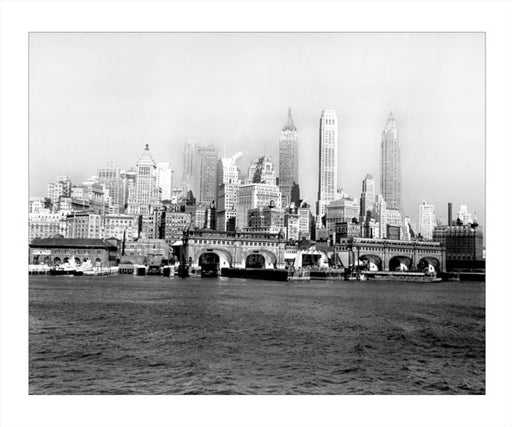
[[101, 97]]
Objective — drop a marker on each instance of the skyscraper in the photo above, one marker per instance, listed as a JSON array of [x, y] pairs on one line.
[[164, 175], [110, 177], [207, 158], [390, 179], [265, 172], [61, 187], [146, 194], [288, 159], [367, 202], [328, 170], [188, 167], [228, 184], [427, 220]]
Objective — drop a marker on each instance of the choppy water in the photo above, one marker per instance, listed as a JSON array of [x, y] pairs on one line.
[[155, 335]]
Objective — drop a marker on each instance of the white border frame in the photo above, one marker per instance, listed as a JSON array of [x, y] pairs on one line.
[[17, 18]]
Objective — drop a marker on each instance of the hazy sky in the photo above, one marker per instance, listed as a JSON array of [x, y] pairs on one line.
[[101, 97]]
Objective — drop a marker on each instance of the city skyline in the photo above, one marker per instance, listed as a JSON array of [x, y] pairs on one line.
[[249, 123]]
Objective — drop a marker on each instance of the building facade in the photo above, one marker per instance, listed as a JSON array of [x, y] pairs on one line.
[[83, 225], [56, 251], [44, 224], [175, 224], [265, 219], [252, 196], [110, 178], [146, 194], [427, 220], [367, 201], [120, 227], [265, 172], [164, 175], [207, 159], [328, 161], [61, 187], [462, 242], [390, 172], [339, 211], [288, 159]]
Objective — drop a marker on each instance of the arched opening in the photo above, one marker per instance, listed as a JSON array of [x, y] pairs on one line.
[[209, 263], [98, 262], [66, 260], [255, 261], [47, 260], [400, 263], [429, 265], [35, 259], [77, 261], [56, 261], [370, 262]]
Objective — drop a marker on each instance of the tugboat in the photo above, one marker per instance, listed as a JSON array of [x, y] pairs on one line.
[[183, 270]]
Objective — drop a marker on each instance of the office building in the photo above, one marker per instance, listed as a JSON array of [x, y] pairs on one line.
[[61, 187], [207, 160], [427, 220], [255, 195], [110, 178], [367, 202], [328, 159], [288, 160], [390, 175], [146, 194]]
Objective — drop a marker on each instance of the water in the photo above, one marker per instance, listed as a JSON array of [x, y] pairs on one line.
[[153, 335]]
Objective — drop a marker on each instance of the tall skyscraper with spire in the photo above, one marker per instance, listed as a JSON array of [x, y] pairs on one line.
[[328, 168], [390, 176], [288, 159], [145, 194]]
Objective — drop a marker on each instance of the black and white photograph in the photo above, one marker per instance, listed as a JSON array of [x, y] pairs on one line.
[[279, 212], [257, 213]]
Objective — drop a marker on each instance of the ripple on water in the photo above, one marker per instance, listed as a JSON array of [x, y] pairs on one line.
[[129, 335]]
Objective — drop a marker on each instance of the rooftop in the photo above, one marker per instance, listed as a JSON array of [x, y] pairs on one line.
[[56, 242]]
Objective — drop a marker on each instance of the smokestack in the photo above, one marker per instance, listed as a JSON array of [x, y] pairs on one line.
[[450, 213]]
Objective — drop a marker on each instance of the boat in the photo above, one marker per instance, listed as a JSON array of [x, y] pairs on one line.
[[402, 276], [67, 268]]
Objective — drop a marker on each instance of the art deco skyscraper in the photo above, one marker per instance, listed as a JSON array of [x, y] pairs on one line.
[[288, 159], [390, 177], [146, 194], [367, 202], [207, 158], [328, 170]]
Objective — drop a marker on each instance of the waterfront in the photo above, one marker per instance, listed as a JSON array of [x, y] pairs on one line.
[[154, 335]]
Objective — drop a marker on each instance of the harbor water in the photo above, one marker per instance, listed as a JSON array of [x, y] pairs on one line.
[[156, 335]]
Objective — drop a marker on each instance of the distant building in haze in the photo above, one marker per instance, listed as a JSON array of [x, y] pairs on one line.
[[207, 160], [188, 167]]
